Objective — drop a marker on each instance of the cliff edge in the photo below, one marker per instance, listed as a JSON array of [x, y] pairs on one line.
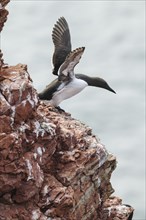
[[51, 166]]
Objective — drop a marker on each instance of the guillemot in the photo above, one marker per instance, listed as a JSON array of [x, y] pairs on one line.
[[64, 60], [67, 85]]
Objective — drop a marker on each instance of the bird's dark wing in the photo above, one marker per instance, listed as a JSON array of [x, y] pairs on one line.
[[62, 42], [48, 92], [66, 71]]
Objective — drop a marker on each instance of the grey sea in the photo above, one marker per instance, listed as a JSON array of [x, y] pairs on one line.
[[113, 33]]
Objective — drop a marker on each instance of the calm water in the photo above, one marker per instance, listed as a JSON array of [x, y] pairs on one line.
[[113, 34]]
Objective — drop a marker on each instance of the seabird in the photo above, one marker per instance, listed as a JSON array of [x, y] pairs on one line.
[[67, 85], [64, 60]]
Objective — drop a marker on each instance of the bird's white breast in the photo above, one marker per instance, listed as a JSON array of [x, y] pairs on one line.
[[66, 91]]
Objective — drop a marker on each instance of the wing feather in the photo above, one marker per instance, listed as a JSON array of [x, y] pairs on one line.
[[66, 70], [62, 43]]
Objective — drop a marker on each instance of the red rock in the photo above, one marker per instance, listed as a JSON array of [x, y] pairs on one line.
[[5, 124], [114, 209], [3, 13], [50, 159], [5, 107]]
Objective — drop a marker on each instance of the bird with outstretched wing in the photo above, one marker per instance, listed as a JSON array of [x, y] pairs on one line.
[[64, 60]]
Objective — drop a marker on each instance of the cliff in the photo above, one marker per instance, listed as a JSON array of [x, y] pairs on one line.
[[51, 165]]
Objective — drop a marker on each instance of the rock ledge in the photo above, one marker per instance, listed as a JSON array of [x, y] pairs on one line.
[[52, 166]]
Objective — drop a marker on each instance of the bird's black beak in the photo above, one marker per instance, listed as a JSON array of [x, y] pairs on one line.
[[110, 89]]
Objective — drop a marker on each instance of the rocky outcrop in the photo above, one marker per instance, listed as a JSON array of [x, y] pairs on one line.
[[3, 13], [3, 17], [51, 166]]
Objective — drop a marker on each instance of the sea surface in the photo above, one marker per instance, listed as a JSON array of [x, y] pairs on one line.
[[113, 33]]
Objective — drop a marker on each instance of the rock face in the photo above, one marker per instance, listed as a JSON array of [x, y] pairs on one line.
[[3, 17], [3, 13], [51, 165]]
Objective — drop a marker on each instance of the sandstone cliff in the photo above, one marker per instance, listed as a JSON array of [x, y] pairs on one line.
[[51, 166]]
